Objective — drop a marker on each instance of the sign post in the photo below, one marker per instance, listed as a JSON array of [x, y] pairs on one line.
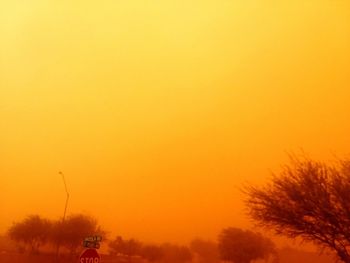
[[89, 255]]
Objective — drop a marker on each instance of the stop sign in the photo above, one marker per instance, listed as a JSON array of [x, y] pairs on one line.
[[89, 256]]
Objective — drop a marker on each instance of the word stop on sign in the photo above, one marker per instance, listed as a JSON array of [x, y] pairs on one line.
[[89, 260], [90, 255]]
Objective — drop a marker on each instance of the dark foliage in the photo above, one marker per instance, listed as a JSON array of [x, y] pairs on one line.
[[130, 247], [176, 253], [152, 253], [33, 231], [243, 246], [307, 199], [206, 251], [71, 232]]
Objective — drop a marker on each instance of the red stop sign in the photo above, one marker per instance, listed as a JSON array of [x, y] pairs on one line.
[[90, 255]]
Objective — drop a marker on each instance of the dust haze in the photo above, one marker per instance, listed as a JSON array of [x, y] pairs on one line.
[[158, 114]]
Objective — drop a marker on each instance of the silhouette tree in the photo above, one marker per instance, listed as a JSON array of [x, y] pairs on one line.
[[206, 251], [152, 253], [128, 248], [175, 253], [307, 199], [73, 230], [240, 246], [32, 231]]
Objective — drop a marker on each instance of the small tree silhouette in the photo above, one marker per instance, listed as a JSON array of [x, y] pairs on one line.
[[176, 253], [73, 230], [243, 246], [206, 251], [33, 231], [128, 248], [152, 253]]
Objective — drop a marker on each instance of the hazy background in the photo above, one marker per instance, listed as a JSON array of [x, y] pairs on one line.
[[158, 111]]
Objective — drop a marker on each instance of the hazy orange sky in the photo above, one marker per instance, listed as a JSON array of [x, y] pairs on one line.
[[157, 111]]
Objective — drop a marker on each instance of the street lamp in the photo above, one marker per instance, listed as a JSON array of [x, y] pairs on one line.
[[64, 213]]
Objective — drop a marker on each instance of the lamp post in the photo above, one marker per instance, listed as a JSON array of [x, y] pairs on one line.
[[64, 213], [67, 196]]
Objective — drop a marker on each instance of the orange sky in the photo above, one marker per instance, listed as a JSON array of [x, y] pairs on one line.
[[157, 111]]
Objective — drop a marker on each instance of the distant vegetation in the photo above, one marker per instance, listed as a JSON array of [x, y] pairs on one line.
[[35, 232], [151, 252], [308, 199], [248, 246], [36, 235]]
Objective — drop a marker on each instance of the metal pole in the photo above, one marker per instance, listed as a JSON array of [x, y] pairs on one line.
[[67, 196], [64, 213]]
